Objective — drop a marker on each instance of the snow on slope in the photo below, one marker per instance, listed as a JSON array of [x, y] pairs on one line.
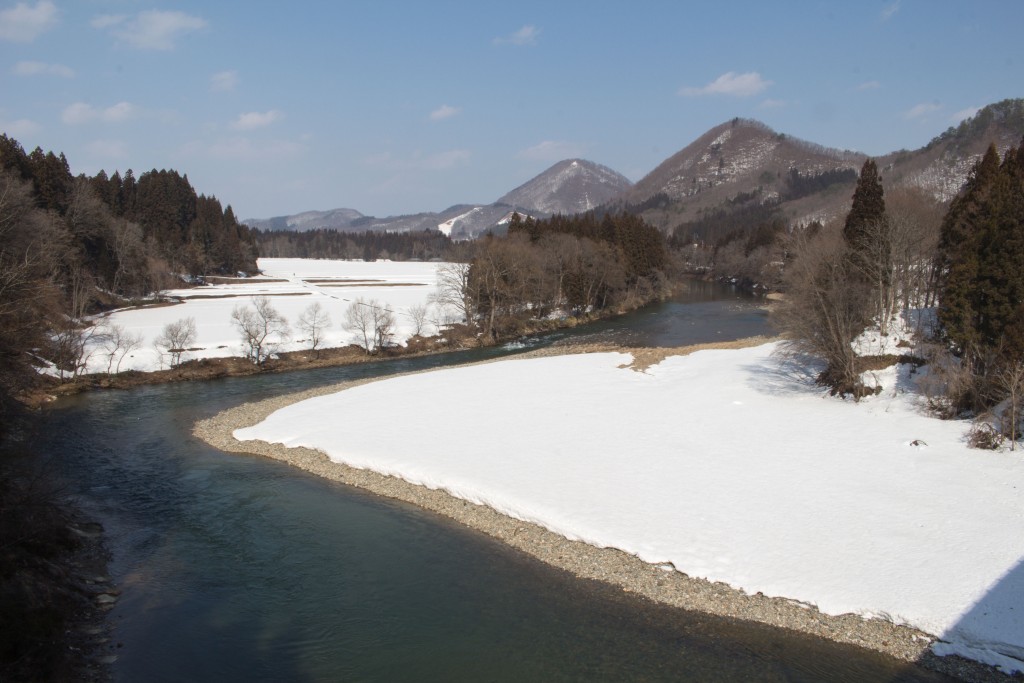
[[724, 464], [398, 284]]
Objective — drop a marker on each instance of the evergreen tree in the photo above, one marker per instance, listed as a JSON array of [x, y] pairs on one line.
[[868, 208]]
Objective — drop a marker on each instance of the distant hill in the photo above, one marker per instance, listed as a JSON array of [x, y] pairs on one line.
[[570, 186]]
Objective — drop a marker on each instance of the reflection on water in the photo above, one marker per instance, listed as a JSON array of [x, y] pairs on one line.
[[238, 568]]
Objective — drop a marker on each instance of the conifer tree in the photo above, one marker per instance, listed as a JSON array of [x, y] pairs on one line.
[[868, 207]]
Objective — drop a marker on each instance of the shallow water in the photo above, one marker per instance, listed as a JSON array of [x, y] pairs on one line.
[[239, 568]]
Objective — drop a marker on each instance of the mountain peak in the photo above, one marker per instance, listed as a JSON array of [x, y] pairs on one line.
[[570, 186]]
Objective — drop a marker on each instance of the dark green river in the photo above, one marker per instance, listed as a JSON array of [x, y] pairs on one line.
[[242, 569]]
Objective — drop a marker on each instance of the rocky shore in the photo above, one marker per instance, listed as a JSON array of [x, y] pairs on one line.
[[663, 584]]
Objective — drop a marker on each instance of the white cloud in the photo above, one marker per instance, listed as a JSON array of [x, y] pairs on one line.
[[444, 112], [527, 35], [19, 128], [256, 119], [149, 30], [42, 69], [552, 150], [771, 104], [922, 109], [869, 85], [889, 10], [731, 83], [80, 112], [24, 23], [108, 149], [223, 81], [965, 114]]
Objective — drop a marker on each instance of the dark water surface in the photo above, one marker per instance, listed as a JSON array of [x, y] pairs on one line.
[[237, 568]]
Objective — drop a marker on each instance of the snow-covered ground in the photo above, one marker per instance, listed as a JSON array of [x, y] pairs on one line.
[[731, 465], [334, 284]]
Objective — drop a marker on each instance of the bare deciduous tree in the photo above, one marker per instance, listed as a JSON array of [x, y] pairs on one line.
[[359, 321], [312, 322], [825, 308], [453, 290], [176, 338], [117, 343], [261, 327], [418, 315], [383, 325], [1009, 381]]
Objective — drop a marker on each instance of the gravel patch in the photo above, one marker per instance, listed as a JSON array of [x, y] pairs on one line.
[[660, 583]]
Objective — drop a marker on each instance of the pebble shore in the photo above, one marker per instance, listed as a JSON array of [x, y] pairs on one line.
[[627, 572]]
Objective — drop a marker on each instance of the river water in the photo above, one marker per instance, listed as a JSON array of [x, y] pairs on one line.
[[237, 568]]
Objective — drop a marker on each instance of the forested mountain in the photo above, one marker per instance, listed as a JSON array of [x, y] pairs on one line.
[[742, 173]]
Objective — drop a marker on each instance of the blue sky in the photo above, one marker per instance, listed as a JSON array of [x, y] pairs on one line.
[[399, 107]]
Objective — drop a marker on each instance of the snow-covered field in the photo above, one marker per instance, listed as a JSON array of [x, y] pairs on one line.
[[728, 464], [300, 282]]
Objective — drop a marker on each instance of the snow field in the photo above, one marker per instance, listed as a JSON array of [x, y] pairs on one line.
[[728, 464], [399, 285]]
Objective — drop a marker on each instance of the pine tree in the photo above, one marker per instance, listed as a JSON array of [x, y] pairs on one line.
[[868, 208]]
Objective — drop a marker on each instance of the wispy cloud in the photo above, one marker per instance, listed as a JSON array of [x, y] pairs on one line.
[[889, 10], [444, 112], [964, 114], [552, 150], [921, 110], [149, 30], [80, 112], [417, 162], [731, 83], [869, 85], [23, 23], [256, 119], [771, 104], [20, 127], [527, 35], [42, 69], [222, 81]]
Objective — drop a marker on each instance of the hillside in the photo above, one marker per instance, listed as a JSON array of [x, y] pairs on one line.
[[568, 187], [743, 164]]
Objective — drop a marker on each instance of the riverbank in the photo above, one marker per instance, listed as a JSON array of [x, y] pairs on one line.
[[655, 582]]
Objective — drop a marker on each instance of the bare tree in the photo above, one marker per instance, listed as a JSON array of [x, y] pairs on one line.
[[117, 343], [176, 338], [418, 315], [261, 327], [825, 308], [1009, 380], [453, 290], [383, 325], [71, 347], [312, 322], [359, 321]]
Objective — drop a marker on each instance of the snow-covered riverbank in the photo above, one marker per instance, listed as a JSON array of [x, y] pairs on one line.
[[291, 285], [728, 465]]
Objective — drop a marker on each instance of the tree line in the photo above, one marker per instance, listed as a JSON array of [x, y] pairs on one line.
[[426, 245], [578, 265]]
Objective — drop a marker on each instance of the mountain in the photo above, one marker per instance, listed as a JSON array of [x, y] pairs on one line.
[[743, 166], [335, 219], [568, 187]]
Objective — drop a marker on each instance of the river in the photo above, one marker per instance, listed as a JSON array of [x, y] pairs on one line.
[[242, 569]]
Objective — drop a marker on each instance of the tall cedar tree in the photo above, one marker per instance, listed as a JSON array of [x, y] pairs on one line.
[[868, 207], [962, 231]]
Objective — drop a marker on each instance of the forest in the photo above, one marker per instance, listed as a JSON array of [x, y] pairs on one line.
[[76, 245]]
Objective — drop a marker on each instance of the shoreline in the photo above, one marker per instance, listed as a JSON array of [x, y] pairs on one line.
[[660, 584]]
